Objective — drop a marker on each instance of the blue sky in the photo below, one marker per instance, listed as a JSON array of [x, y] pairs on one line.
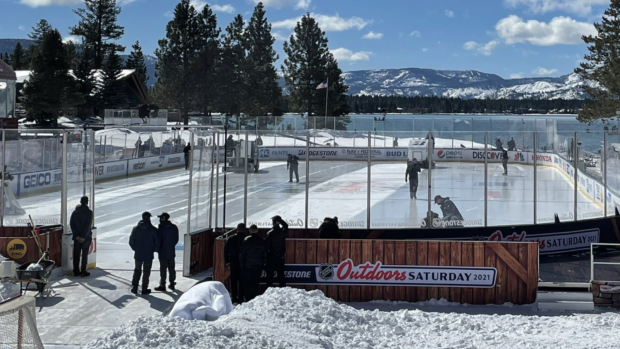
[[511, 38]]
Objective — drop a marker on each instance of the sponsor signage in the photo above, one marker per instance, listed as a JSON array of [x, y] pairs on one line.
[[377, 274], [555, 242], [154, 163], [449, 154]]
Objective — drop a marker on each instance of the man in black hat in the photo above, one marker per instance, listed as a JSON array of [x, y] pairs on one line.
[[81, 226], [292, 165], [448, 208], [168, 239], [186, 153], [232, 249], [144, 241], [275, 243]]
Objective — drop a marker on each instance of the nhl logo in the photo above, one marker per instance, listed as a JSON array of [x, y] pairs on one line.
[[326, 271]]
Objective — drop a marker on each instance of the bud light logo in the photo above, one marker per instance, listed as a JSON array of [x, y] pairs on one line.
[[264, 153], [396, 154]]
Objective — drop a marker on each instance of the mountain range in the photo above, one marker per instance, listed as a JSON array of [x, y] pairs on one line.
[[411, 82]]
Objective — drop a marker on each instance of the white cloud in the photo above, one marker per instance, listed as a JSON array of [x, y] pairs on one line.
[[199, 5], [415, 34], [449, 13], [560, 30], [279, 37], [424, 49], [580, 7], [343, 54], [296, 4], [372, 35], [169, 14], [516, 76], [21, 27], [543, 71], [326, 22], [40, 3], [124, 2], [484, 49], [72, 38]]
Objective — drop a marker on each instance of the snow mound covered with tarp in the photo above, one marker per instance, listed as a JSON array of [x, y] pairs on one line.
[[293, 318], [205, 301]]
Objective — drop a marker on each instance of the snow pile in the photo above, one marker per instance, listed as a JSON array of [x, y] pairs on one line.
[[205, 301], [293, 318]]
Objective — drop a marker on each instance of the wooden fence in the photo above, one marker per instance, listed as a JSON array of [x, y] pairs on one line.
[[10, 234], [199, 248], [516, 264]]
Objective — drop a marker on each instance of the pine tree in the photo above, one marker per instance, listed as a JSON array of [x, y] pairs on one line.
[[304, 67], [337, 96], [602, 66], [49, 88], [136, 62], [177, 54], [111, 92], [264, 92], [38, 31], [205, 64], [18, 58], [98, 28], [231, 70], [85, 82]]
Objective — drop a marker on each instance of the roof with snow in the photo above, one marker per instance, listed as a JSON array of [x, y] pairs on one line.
[[6, 73]]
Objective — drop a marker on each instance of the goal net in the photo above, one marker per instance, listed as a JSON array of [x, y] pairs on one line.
[[18, 326]]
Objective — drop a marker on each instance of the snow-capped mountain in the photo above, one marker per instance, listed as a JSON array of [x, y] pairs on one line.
[[465, 84]]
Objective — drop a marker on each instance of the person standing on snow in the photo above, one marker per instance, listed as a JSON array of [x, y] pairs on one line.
[[252, 261], [168, 239], [81, 226], [275, 243], [144, 241], [292, 165], [232, 251], [413, 168], [505, 161], [186, 152]]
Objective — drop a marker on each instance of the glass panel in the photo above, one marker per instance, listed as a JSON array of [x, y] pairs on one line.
[[612, 165], [556, 182], [80, 165], [591, 194], [202, 155]]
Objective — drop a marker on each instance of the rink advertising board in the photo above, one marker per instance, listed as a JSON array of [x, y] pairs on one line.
[[554, 243], [346, 273]]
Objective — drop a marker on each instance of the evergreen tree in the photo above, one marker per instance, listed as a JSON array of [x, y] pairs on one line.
[[304, 67], [136, 62], [38, 31], [231, 70], [18, 58], [602, 66], [177, 54], [337, 97], [98, 28], [72, 51], [205, 64], [263, 90], [111, 92], [49, 88], [85, 82]]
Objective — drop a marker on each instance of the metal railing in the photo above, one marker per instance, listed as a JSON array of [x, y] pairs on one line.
[[592, 262]]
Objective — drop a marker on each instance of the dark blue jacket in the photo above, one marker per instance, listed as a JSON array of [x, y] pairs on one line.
[[144, 240], [168, 239], [81, 222]]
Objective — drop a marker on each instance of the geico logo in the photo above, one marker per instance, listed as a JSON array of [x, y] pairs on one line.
[[37, 180], [139, 166], [174, 160]]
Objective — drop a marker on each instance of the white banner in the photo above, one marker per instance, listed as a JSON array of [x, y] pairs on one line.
[[556, 242]]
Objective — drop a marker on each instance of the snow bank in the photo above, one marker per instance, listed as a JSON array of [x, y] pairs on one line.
[[293, 318], [205, 301]]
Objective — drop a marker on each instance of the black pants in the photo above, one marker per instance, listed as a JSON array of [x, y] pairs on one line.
[[166, 265], [251, 277], [505, 164], [291, 169], [413, 187], [237, 290], [276, 265], [138, 271], [186, 161], [80, 249]]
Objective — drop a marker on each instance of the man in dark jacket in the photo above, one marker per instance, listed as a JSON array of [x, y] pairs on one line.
[[186, 152], [413, 168], [329, 229], [275, 244], [168, 235], [252, 261], [144, 241], [505, 161], [231, 260], [81, 226], [448, 208], [292, 165]]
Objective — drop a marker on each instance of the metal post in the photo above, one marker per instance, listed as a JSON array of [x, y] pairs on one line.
[[91, 133], [535, 176], [63, 186], [603, 168], [307, 179], [211, 186], [189, 190], [486, 179], [429, 158], [217, 176], [245, 181], [326, 99], [575, 164], [225, 172], [368, 184], [3, 179]]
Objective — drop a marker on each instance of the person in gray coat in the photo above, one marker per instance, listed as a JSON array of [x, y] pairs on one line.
[[168, 239], [144, 241]]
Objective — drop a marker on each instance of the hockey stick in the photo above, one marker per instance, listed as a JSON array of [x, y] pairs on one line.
[[35, 235]]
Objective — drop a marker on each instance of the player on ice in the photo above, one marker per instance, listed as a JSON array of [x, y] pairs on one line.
[[448, 208], [413, 168], [292, 165], [505, 161]]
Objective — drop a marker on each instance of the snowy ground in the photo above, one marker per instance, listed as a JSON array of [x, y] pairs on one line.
[[292, 318]]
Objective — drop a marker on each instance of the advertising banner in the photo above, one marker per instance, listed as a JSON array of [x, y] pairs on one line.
[[556, 242]]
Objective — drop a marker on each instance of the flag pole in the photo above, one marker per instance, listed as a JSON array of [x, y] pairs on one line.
[[326, 99]]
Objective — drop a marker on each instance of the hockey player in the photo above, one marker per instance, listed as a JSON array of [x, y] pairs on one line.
[[505, 161], [448, 208], [292, 165], [413, 168]]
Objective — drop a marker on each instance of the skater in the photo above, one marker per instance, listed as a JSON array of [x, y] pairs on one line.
[[144, 242], [512, 145], [275, 243], [505, 161], [412, 172], [259, 141], [292, 165], [252, 260], [395, 143], [186, 151], [232, 249], [448, 208], [168, 239], [329, 229], [81, 226]]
